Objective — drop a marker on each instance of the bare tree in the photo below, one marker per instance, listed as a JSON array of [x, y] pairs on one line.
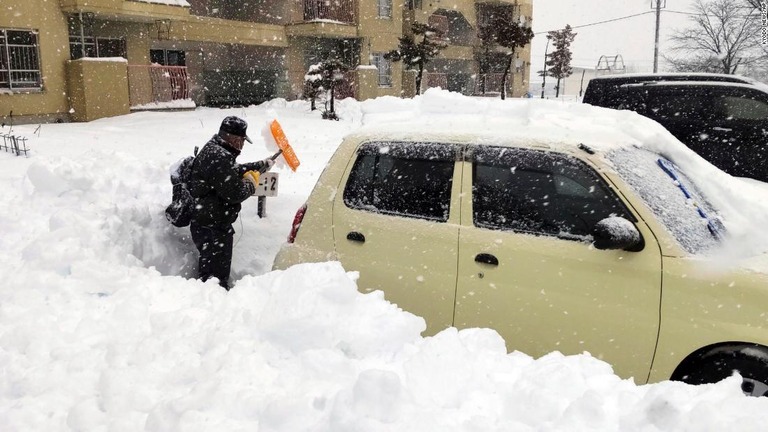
[[724, 38]]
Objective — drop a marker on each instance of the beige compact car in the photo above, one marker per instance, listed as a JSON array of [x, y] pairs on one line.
[[555, 244]]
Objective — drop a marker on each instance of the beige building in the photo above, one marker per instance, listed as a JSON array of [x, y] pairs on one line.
[[78, 60]]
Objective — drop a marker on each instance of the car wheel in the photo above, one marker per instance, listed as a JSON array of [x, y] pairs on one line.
[[718, 366]]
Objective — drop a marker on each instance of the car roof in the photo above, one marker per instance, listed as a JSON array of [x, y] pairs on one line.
[[441, 116], [448, 137], [675, 76], [691, 84]]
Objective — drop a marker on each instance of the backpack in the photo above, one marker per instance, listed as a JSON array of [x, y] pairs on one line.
[[179, 211]]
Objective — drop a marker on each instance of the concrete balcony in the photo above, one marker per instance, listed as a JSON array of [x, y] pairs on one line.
[[522, 3], [322, 29], [320, 18], [207, 29], [125, 10]]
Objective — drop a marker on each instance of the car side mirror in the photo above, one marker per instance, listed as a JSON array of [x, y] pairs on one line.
[[617, 233]]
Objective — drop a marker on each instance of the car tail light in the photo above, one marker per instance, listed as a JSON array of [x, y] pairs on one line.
[[297, 223]]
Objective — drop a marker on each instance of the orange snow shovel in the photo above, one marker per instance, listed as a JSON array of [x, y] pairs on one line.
[[282, 144]]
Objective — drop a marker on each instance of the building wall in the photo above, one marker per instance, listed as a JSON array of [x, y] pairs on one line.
[[380, 35], [51, 101], [275, 37], [97, 88]]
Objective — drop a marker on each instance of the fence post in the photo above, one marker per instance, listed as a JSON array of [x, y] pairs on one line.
[[262, 208]]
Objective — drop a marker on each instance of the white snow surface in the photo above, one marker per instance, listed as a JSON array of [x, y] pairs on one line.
[[99, 332]]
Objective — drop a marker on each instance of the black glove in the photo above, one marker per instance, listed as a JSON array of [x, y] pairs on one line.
[[267, 164]]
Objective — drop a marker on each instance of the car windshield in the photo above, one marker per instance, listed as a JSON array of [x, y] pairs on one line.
[[672, 197]]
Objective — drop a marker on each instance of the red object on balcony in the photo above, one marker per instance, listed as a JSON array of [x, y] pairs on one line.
[[331, 10], [155, 83], [346, 87], [435, 79], [439, 22], [171, 77]]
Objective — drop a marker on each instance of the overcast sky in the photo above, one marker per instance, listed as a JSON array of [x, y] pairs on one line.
[[632, 38]]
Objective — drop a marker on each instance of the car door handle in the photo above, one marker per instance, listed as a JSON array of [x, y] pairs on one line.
[[356, 237], [485, 258], [722, 129]]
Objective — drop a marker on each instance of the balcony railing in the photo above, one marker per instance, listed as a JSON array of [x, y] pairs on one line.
[[346, 88], [332, 10], [480, 84], [440, 23], [434, 79], [491, 83], [157, 84]]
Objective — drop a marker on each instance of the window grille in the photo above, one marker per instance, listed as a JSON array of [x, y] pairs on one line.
[[96, 47], [414, 4], [385, 69], [385, 8], [19, 60]]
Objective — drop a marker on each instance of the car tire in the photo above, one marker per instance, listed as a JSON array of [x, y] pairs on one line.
[[719, 365]]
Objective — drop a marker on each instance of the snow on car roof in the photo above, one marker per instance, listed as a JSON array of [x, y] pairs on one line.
[[441, 114]]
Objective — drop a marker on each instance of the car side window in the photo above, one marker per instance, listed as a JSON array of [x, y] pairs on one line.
[[675, 104], [539, 192], [409, 180], [743, 108]]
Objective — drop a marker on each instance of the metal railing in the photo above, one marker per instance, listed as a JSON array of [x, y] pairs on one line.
[[14, 144], [19, 67], [345, 88], [334, 10], [155, 83], [440, 23], [434, 79], [491, 83]]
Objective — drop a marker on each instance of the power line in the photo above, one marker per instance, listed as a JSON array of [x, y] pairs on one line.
[[628, 17], [603, 22], [684, 13]]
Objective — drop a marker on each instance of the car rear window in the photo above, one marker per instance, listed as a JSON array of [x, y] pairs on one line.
[[402, 179]]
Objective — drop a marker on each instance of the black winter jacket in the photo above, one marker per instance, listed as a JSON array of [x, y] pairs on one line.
[[217, 184]]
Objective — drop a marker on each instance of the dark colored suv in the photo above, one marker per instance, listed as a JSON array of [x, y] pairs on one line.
[[723, 118]]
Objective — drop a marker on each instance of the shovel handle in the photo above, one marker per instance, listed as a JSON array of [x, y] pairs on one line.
[[274, 156]]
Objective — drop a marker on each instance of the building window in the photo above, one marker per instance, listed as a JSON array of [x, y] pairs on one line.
[[167, 57], [81, 47], [82, 42], [19, 60], [385, 69], [414, 4], [385, 8], [89, 46], [111, 47]]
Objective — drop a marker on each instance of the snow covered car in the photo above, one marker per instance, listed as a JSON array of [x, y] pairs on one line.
[[567, 242]]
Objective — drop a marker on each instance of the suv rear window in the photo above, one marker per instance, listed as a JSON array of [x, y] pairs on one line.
[[403, 179]]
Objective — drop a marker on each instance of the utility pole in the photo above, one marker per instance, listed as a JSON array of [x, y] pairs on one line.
[[660, 4]]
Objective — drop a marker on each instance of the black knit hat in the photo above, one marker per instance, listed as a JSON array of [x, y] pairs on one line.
[[235, 126]]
